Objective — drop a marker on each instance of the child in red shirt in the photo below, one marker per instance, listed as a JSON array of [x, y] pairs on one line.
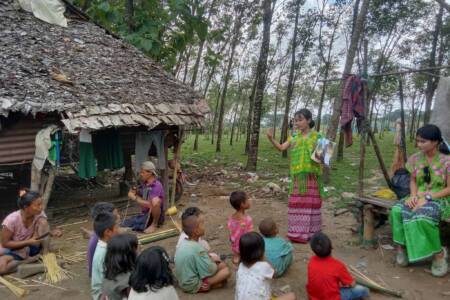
[[328, 278]]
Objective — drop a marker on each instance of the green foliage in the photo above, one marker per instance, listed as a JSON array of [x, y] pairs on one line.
[[160, 30]]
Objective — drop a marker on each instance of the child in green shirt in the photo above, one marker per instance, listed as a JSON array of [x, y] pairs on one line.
[[195, 270]]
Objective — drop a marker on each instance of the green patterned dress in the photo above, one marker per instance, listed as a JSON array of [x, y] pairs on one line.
[[418, 230], [306, 188]]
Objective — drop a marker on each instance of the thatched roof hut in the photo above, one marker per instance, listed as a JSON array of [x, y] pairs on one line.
[[90, 78], [81, 77]]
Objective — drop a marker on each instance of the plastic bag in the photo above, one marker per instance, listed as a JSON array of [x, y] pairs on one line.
[[400, 183], [50, 11]]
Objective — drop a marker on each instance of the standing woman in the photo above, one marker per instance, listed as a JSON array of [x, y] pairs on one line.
[[415, 220], [306, 188]]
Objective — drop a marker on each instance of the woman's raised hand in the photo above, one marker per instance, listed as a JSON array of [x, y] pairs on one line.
[[269, 133]]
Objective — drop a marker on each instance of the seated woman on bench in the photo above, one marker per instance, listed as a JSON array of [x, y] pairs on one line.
[[415, 221], [25, 233]]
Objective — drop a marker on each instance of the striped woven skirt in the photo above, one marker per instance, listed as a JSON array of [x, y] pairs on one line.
[[304, 215]]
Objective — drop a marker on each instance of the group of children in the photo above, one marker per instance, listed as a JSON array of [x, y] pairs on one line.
[[119, 271]]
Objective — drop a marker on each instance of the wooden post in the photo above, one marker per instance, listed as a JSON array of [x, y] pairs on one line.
[[48, 187], [362, 142], [369, 225], [379, 157], [165, 173], [175, 168]]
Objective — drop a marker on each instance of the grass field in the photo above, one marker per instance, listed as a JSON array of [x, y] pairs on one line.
[[344, 174]]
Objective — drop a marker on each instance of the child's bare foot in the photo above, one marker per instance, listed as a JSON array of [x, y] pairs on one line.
[[150, 229], [86, 233]]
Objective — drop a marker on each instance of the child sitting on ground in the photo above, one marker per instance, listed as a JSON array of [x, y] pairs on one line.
[[254, 273], [99, 207], [105, 226], [195, 270], [278, 250], [191, 211], [328, 278], [120, 260], [152, 279], [239, 223]]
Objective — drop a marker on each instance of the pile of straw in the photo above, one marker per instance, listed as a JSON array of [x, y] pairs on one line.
[[18, 291], [54, 273]]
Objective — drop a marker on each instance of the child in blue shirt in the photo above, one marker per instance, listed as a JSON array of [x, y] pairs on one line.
[[278, 251]]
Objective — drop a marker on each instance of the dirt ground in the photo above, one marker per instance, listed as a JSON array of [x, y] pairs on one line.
[[212, 197]]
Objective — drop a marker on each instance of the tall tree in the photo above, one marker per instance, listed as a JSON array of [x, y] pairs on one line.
[[261, 74], [290, 86], [239, 11], [327, 64], [432, 80]]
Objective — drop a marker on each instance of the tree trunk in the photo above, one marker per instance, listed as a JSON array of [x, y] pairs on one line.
[[290, 87], [129, 12], [216, 110], [251, 102], [233, 124], [419, 115], [186, 66], [402, 117], [262, 74], [383, 123], [340, 152], [432, 82], [334, 121], [236, 31], [413, 115], [277, 93]]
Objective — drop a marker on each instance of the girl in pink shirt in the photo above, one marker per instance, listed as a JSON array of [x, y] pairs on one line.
[[239, 223]]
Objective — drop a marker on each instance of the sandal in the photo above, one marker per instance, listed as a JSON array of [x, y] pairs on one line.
[[401, 258], [439, 266]]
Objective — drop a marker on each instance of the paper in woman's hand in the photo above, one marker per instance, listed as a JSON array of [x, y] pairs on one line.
[[323, 152]]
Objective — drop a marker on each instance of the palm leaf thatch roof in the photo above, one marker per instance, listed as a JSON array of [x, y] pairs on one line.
[[91, 78]]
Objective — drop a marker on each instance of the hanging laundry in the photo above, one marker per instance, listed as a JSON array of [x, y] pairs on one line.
[[54, 154], [86, 165], [353, 106], [108, 149], [43, 143], [144, 141], [43, 152]]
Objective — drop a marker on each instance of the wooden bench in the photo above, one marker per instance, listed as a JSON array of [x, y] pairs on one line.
[[372, 206]]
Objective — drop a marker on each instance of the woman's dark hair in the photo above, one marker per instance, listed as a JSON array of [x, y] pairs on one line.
[[306, 113], [431, 132], [321, 244], [26, 197], [251, 248], [120, 255], [152, 271]]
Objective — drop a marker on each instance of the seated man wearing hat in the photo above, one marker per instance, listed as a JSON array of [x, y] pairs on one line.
[[150, 197]]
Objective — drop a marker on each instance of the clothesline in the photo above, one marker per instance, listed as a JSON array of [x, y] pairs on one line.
[[395, 73]]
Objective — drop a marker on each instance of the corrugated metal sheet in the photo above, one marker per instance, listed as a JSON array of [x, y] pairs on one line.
[[17, 141]]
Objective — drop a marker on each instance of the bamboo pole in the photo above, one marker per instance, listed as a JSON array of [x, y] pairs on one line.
[[394, 73], [160, 236]]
